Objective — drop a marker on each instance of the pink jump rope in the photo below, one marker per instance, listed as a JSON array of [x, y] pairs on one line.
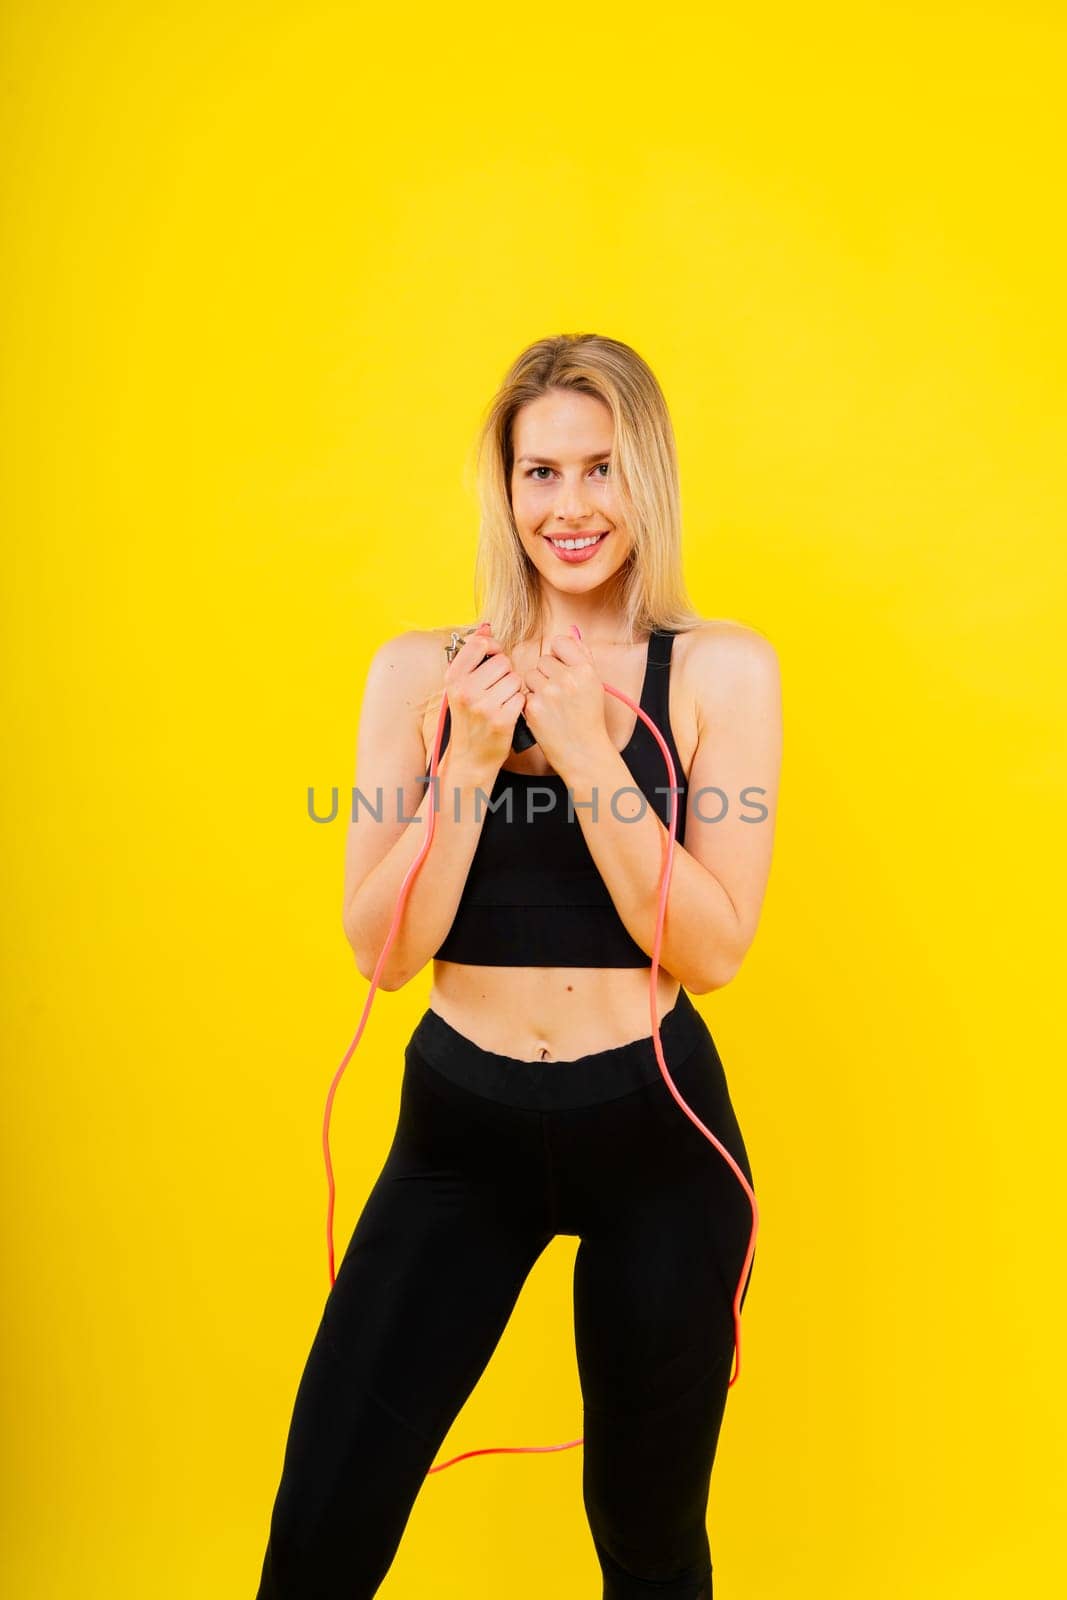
[[663, 892]]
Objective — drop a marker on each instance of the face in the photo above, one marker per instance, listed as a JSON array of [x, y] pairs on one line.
[[562, 488]]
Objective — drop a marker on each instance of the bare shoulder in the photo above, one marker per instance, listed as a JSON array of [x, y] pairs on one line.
[[725, 665], [411, 664], [408, 670]]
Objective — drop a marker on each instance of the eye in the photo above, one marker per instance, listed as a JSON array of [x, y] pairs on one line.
[[533, 470]]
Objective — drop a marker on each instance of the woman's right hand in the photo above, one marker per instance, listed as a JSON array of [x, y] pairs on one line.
[[485, 699]]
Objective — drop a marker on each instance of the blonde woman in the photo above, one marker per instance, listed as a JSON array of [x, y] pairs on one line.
[[532, 1103]]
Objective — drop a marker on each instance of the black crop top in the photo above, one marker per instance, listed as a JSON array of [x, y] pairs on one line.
[[533, 895]]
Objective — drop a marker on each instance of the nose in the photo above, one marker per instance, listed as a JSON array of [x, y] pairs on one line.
[[571, 504]]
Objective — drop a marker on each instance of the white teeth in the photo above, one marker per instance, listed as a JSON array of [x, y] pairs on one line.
[[576, 544]]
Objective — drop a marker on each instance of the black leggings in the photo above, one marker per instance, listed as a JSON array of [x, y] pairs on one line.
[[492, 1157]]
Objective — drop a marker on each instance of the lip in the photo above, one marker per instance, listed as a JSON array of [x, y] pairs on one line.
[[576, 557]]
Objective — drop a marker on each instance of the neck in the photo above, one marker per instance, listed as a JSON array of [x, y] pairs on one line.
[[600, 625]]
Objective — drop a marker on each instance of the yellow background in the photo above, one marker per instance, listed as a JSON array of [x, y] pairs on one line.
[[264, 266]]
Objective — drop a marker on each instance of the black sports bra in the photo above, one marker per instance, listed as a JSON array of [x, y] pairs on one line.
[[533, 895]]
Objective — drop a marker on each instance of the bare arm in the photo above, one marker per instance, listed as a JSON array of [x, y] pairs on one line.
[[719, 877], [390, 763]]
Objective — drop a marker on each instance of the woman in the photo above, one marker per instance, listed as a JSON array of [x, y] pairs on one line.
[[532, 1103]]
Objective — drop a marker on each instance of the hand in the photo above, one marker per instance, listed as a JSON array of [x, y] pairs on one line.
[[565, 702], [485, 698]]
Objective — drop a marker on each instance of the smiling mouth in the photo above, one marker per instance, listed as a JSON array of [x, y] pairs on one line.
[[576, 541]]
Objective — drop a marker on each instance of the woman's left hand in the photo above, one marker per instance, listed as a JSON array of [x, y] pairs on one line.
[[565, 702]]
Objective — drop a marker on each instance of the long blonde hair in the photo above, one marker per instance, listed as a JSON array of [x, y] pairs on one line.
[[652, 589]]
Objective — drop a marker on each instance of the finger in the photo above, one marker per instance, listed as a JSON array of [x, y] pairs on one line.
[[543, 669], [566, 648], [490, 671], [481, 643]]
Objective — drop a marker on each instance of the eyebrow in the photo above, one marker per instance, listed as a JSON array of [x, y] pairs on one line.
[[545, 461]]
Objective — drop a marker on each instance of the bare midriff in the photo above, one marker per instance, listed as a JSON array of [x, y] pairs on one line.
[[549, 1013]]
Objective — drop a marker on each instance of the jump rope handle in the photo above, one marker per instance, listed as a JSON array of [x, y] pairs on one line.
[[523, 738]]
